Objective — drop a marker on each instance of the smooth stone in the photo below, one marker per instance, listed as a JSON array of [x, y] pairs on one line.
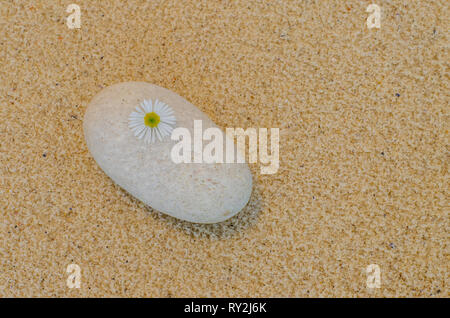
[[195, 192]]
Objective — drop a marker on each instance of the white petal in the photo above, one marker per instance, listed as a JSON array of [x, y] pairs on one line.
[[168, 118], [168, 122], [148, 136], [164, 128], [163, 107], [141, 133], [165, 112], [168, 110], [136, 115], [158, 108], [148, 106], [139, 110], [144, 133], [136, 120], [136, 123], [158, 133], [138, 132], [137, 127]]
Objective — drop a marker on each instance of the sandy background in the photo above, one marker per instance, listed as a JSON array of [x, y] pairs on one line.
[[363, 118]]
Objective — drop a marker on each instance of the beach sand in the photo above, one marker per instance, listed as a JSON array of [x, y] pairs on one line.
[[363, 177]]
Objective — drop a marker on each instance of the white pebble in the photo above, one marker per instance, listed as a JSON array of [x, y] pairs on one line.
[[195, 192]]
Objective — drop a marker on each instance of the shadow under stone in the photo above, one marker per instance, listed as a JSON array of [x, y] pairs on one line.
[[246, 218]]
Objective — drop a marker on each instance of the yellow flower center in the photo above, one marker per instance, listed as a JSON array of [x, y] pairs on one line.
[[152, 119]]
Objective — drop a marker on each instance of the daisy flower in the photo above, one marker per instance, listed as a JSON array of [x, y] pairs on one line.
[[151, 121]]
